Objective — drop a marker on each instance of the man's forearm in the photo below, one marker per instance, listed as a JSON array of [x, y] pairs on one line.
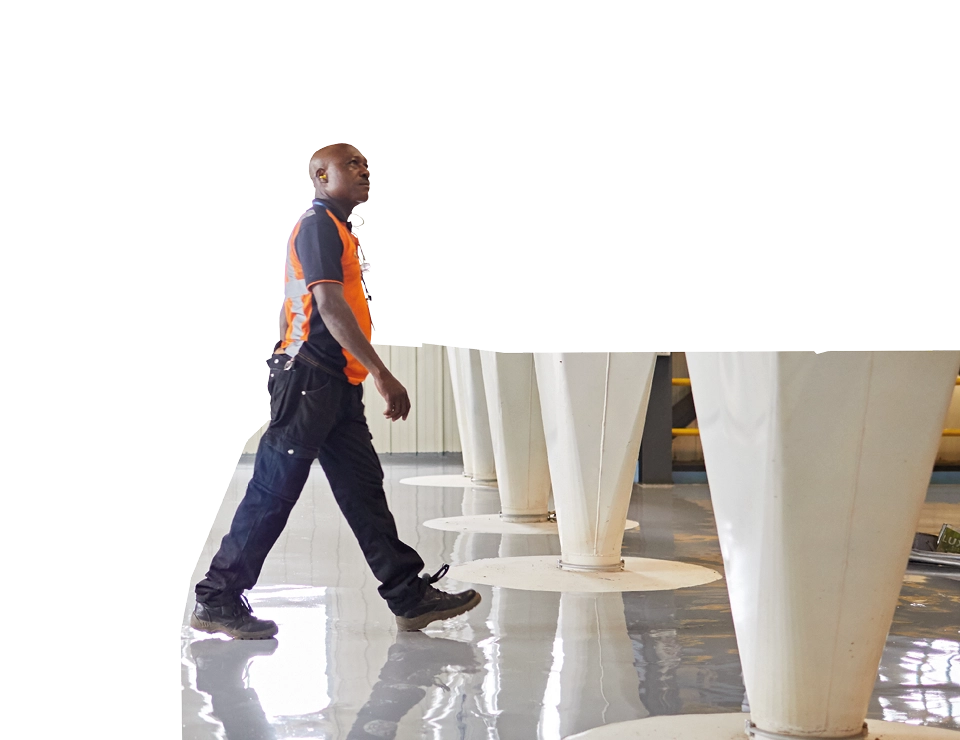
[[343, 326]]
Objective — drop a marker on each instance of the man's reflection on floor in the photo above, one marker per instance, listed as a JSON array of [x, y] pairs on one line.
[[221, 674], [415, 663]]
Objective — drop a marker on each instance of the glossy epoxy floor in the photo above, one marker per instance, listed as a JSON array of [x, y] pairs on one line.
[[523, 665]]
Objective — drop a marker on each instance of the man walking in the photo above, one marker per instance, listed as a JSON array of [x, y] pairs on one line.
[[316, 412]]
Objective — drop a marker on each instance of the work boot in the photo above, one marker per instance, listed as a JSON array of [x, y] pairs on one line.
[[235, 619], [436, 604]]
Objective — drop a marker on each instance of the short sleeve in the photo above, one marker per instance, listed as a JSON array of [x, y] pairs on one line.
[[320, 250]]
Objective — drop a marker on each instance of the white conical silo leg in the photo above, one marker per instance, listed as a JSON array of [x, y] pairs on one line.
[[818, 466], [593, 407], [459, 405], [476, 419], [516, 431]]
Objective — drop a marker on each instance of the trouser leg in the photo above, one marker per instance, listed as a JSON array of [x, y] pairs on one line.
[[261, 516], [356, 478]]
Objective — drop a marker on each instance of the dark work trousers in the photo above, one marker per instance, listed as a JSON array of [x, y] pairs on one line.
[[313, 415]]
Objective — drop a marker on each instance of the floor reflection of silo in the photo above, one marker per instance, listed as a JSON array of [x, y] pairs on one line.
[[477, 546], [524, 624], [684, 647], [656, 650], [593, 680], [685, 651]]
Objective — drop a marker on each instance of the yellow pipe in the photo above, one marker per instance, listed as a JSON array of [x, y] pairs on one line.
[[951, 432]]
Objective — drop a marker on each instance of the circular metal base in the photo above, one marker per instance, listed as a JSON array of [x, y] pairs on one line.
[[450, 480], [615, 568], [754, 731], [525, 518], [496, 524], [731, 727], [540, 573]]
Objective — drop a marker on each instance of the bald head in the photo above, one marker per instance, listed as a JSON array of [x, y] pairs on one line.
[[322, 158], [340, 173]]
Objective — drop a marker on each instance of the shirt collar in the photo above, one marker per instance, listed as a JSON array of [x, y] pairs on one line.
[[334, 210]]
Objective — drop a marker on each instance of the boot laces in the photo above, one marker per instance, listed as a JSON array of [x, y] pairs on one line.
[[244, 604]]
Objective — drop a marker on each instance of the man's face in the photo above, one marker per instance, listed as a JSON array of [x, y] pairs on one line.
[[348, 177]]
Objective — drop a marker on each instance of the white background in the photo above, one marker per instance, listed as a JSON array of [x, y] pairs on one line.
[[553, 176]]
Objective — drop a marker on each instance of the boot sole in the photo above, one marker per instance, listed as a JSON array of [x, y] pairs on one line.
[[214, 627], [413, 624]]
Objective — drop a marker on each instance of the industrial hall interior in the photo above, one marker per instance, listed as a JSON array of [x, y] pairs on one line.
[[666, 546]]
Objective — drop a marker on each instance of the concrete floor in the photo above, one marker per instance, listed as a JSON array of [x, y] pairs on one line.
[[523, 664]]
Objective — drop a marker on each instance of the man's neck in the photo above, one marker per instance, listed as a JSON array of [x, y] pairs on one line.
[[339, 209]]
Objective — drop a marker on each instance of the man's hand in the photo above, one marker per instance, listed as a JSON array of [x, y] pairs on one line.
[[342, 324], [398, 403]]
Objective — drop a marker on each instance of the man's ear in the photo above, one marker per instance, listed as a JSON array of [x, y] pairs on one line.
[[321, 175]]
